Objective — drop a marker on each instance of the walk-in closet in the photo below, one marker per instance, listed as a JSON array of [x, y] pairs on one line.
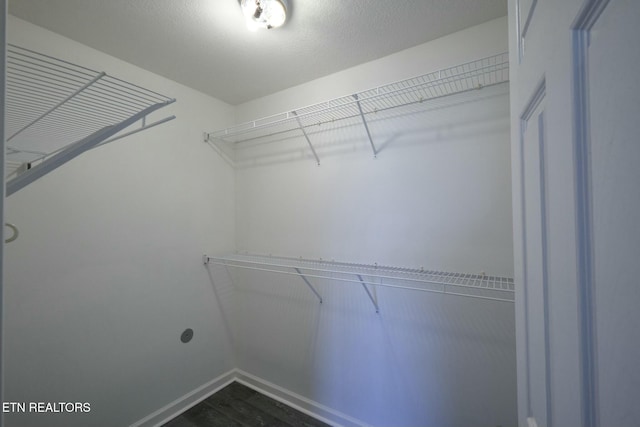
[[287, 213]]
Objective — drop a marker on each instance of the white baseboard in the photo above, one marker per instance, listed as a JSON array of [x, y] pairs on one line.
[[181, 404], [307, 406], [296, 401]]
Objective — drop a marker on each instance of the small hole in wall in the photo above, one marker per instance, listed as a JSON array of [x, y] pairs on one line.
[[186, 335]]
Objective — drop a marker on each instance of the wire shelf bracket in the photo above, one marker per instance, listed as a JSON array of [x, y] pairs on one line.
[[366, 289], [304, 132], [57, 110], [308, 284], [366, 127]]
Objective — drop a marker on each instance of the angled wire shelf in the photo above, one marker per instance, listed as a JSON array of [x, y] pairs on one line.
[[462, 78], [479, 286], [55, 110]]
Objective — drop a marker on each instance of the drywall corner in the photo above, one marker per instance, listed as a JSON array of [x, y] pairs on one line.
[[186, 401]]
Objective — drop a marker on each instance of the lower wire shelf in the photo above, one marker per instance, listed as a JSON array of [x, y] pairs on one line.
[[478, 286]]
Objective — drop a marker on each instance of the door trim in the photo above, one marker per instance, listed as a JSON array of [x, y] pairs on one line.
[[588, 15]]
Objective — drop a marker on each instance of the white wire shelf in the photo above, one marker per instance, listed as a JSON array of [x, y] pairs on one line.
[[480, 286], [52, 104], [462, 78]]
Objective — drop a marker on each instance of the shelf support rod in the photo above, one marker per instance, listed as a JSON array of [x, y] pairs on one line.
[[366, 126], [211, 142], [304, 132], [75, 149], [44, 155], [58, 105], [308, 284], [140, 129], [364, 285]]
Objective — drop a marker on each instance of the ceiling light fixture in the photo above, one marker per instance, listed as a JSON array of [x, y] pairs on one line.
[[264, 13]]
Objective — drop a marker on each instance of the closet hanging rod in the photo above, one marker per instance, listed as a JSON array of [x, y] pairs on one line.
[[376, 93], [209, 136], [351, 266], [345, 116], [506, 284], [386, 285], [464, 77]]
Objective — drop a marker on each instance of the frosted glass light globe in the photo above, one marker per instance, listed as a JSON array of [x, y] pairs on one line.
[[264, 13], [275, 13]]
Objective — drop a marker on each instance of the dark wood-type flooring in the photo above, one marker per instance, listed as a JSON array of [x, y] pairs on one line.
[[239, 406]]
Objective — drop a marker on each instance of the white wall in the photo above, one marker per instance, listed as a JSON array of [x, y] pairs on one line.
[[107, 271], [437, 196]]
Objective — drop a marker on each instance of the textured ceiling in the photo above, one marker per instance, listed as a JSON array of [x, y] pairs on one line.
[[205, 44]]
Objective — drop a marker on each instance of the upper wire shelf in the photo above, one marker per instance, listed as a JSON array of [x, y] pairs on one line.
[[465, 77], [479, 286], [52, 103]]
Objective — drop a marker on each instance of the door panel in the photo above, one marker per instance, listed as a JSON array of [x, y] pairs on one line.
[[614, 106], [535, 264], [578, 321]]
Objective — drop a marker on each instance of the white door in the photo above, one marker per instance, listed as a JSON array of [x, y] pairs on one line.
[[575, 114]]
